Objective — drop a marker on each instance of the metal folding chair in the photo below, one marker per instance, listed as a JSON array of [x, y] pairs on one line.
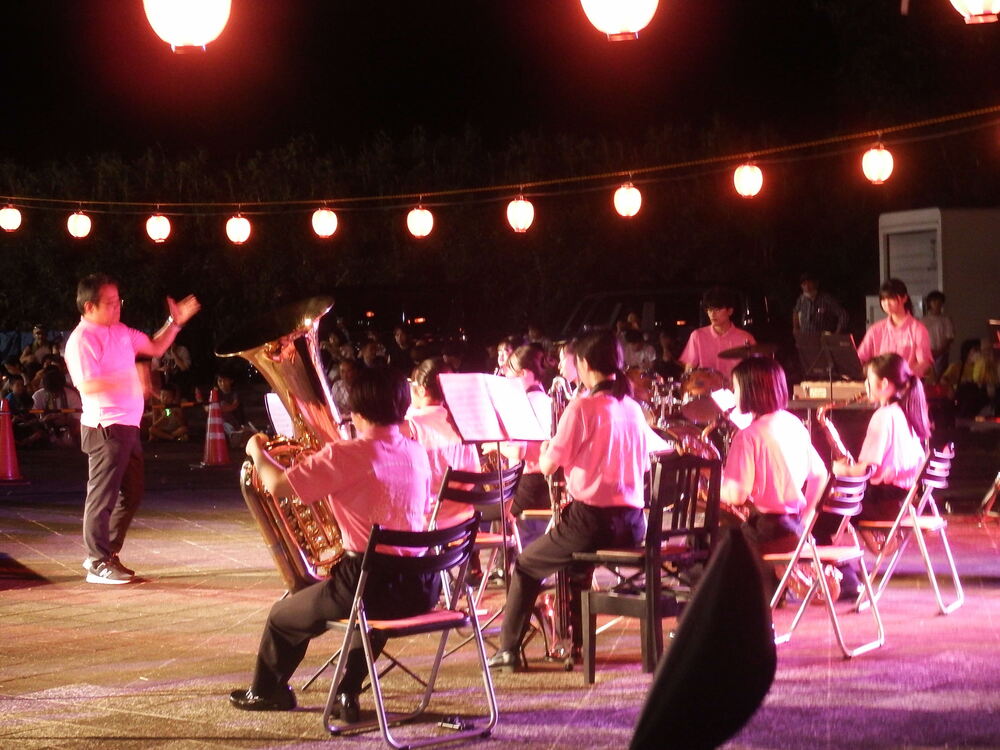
[[843, 497], [918, 517], [445, 549]]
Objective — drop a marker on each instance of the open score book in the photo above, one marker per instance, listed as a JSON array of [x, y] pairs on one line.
[[490, 408]]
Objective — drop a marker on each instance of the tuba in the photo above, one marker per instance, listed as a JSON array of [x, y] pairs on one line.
[[304, 540]]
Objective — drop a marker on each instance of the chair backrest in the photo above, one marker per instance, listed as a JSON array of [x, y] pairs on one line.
[[684, 502], [844, 495], [433, 551], [480, 489], [937, 467]]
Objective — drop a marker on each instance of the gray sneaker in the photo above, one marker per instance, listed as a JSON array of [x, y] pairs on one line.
[[107, 571]]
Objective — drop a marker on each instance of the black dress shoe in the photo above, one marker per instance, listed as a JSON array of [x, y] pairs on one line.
[[282, 699], [347, 707], [506, 661]]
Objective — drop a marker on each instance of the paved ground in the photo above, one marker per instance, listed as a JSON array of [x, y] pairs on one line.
[[149, 664]]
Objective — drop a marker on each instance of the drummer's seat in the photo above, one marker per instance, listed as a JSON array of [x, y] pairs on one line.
[[680, 534]]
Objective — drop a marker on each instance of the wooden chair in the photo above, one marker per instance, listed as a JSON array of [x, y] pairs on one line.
[[447, 549], [681, 529], [843, 497], [918, 517]]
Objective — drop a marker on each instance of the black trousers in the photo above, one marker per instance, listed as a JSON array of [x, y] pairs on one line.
[[581, 528], [296, 619], [114, 486]]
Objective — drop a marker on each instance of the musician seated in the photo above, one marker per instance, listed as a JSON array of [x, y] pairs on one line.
[[705, 343], [772, 466], [382, 477]]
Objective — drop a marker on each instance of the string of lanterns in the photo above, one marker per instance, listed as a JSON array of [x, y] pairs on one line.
[[748, 181]]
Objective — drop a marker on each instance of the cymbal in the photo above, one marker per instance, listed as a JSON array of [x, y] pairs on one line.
[[750, 350]]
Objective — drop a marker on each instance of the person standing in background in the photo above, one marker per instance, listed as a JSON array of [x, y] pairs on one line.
[[940, 329], [900, 332], [816, 311]]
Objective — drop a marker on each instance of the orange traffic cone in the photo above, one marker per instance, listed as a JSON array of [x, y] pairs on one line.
[[9, 470], [216, 447]]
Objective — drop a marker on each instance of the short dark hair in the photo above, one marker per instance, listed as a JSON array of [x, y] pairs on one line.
[[602, 351], [763, 387], [426, 375], [896, 288], [53, 379], [935, 295], [718, 297], [380, 395], [909, 390], [808, 276], [89, 289], [530, 357]]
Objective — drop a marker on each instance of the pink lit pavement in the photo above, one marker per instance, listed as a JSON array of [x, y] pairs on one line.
[[150, 664]]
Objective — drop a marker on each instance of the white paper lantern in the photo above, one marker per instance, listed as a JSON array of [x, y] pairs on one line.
[[520, 214], [158, 228], [748, 180], [978, 11], [238, 229], [628, 200], [78, 225], [324, 222], [10, 218], [621, 20], [420, 222], [877, 164], [187, 25]]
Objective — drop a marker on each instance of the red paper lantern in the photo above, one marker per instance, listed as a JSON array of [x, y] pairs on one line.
[[628, 200], [520, 214], [238, 229], [324, 222], [187, 25], [10, 218], [978, 11], [877, 164], [621, 20], [79, 225], [158, 228], [748, 180], [420, 222]]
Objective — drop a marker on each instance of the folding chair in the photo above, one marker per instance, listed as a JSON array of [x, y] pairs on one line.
[[680, 532], [446, 549], [918, 516]]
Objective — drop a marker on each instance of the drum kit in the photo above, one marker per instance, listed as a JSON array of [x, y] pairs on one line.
[[683, 411]]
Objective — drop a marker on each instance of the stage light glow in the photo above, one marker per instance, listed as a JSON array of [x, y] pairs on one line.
[[877, 164], [748, 180], [187, 25], [628, 200], [324, 222], [238, 229], [520, 214], [621, 20], [78, 225]]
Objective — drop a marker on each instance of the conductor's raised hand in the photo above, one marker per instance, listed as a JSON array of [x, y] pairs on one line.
[[183, 310]]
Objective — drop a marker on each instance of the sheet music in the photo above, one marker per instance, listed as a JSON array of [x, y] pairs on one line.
[[281, 421], [490, 408], [471, 407]]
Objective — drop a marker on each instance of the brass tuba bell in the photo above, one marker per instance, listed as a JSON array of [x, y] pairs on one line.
[[305, 540]]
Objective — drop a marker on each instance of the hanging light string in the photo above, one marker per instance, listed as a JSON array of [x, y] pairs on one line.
[[568, 184]]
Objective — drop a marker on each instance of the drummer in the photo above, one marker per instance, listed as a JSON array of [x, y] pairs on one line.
[[706, 343]]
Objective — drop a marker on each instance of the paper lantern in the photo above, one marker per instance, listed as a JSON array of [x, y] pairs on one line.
[[621, 20], [158, 228], [877, 164], [748, 180], [628, 200], [187, 25], [420, 222], [10, 218], [238, 229], [520, 214], [78, 225], [978, 11], [324, 222]]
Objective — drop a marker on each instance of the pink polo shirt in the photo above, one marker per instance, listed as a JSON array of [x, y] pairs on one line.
[[770, 462], [910, 340], [601, 443], [107, 352], [383, 479], [704, 345], [892, 448], [432, 428]]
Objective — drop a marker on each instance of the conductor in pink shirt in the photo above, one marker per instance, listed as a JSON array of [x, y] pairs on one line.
[[100, 355]]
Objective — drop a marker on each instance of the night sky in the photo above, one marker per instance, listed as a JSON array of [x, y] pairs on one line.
[[87, 76]]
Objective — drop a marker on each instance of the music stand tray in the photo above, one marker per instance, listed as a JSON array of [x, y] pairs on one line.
[[831, 356]]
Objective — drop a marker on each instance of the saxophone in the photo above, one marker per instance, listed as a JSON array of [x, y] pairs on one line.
[[304, 540]]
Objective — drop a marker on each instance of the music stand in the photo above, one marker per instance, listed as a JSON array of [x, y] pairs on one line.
[[830, 355]]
